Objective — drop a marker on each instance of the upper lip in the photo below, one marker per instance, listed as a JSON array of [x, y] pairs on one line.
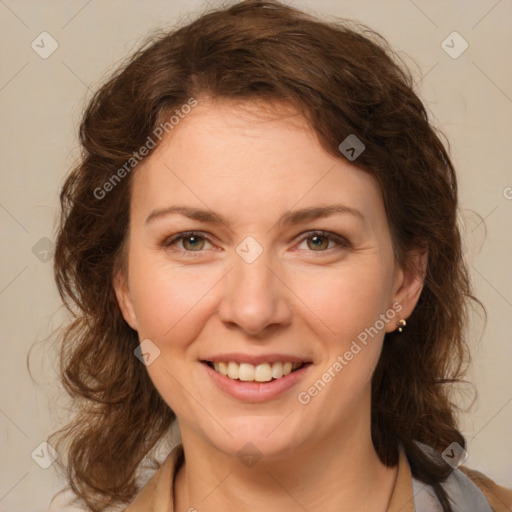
[[255, 358]]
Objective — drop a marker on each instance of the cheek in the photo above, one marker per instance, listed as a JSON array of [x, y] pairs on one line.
[[346, 300], [169, 301], [349, 303]]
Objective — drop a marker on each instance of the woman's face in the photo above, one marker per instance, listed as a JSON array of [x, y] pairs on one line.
[[264, 278]]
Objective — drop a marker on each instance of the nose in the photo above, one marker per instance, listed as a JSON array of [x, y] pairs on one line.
[[254, 296]]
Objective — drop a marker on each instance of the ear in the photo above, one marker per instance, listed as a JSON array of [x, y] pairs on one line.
[[124, 298], [408, 285]]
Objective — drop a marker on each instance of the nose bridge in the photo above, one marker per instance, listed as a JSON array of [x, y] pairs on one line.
[[253, 297]]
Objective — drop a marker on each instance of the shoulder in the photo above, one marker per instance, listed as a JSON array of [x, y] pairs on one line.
[[499, 497], [466, 488]]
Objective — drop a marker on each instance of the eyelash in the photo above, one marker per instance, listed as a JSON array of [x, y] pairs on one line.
[[342, 242]]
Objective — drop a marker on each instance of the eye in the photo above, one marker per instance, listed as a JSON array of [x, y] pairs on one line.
[[191, 241], [316, 241], [321, 241]]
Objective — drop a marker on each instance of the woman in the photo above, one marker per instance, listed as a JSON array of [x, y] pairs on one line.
[[261, 243]]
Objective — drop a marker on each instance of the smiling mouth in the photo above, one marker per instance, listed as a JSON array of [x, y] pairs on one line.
[[246, 372]]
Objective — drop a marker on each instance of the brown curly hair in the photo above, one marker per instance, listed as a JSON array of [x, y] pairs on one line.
[[345, 80]]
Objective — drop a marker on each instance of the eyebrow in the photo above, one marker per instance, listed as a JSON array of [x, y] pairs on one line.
[[289, 218]]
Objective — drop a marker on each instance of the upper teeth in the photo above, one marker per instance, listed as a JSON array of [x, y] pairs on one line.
[[260, 373]]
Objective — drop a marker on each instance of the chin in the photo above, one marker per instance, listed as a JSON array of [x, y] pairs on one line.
[[268, 437]]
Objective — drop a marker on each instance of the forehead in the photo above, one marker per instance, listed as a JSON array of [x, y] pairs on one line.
[[246, 157]]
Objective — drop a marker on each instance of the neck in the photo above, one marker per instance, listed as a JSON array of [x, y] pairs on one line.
[[341, 472]]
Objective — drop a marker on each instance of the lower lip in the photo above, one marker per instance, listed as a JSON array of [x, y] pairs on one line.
[[256, 391]]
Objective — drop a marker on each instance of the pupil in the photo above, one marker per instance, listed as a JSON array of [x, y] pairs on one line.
[[317, 240], [192, 240]]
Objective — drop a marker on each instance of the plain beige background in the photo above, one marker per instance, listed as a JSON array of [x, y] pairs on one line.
[[41, 99]]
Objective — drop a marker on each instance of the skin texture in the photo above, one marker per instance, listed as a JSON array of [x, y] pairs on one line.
[[197, 297]]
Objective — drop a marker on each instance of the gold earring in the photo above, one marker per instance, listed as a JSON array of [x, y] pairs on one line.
[[401, 324]]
